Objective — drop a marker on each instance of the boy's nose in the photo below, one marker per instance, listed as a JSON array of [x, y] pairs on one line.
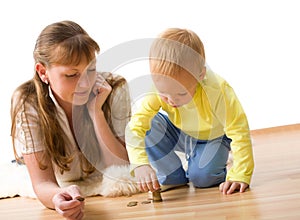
[[171, 100]]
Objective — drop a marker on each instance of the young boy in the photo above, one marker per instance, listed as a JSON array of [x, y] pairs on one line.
[[202, 118]]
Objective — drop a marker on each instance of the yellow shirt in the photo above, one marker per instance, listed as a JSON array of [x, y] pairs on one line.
[[214, 111]]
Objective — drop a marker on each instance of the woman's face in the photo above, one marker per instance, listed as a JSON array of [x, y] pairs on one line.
[[72, 84]]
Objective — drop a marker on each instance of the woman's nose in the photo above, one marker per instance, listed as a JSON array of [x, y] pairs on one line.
[[84, 81]]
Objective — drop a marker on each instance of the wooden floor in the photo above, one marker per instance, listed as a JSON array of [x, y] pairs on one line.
[[274, 193]]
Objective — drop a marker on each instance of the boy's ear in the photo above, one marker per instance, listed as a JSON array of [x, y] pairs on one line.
[[202, 73], [41, 70]]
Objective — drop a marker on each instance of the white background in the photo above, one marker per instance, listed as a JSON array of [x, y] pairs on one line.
[[254, 45]]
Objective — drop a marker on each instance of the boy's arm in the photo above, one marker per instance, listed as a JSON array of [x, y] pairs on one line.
[[135, 134], [237, 128], [136, 129]]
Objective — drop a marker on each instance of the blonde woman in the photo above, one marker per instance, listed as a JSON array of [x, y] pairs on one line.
[[68, 121]]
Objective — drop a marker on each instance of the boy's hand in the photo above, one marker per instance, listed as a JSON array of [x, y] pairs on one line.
[[146, 178], [230, 187]]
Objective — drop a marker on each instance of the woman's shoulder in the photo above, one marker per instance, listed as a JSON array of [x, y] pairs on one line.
[[24, 94], [25, 89], [117, 82]]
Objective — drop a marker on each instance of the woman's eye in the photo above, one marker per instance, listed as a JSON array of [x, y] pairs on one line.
[[91, 70], [182, 94], [71, 75]]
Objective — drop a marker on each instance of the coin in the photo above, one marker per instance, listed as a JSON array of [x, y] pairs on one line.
[[146, 202], [133, 203], [79, 198], [156, 196]]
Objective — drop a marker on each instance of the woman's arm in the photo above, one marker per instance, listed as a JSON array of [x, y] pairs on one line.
[[63, 200], [113, 149], [107, 139], [44, 182]]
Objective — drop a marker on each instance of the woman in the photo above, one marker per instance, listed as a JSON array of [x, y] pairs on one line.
[[68, 121]]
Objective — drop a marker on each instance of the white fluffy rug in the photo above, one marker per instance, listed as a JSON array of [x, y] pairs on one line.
[[15, 181], [116, 181]]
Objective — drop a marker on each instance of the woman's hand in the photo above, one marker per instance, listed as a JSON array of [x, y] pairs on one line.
[[69, 203], [230, 187], [146, 178], [101, 90]]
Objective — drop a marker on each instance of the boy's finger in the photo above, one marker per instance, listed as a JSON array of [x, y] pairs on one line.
[[243, 187], [221, 186], [234, 186]]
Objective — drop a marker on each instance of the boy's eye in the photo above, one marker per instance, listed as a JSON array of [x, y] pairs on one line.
[[163, 95], [182, 94]]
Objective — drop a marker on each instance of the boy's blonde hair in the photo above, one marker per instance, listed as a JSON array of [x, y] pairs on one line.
[[175, 50]]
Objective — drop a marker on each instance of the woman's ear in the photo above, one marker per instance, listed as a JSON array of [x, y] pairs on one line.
[[41, 70]]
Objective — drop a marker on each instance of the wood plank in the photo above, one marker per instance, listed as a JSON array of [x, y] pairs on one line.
[[274, 193]]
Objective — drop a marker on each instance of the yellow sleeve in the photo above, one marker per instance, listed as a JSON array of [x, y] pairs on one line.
[[136, 129], [237, 128]]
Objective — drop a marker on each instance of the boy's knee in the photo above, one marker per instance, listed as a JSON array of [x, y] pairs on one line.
[[157, 131], [159, 122], [204, 178]]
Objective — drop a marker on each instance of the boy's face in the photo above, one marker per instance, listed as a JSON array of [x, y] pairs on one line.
[[175, 90]]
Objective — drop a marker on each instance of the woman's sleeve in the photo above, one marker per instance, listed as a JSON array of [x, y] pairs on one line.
[[27, 139]]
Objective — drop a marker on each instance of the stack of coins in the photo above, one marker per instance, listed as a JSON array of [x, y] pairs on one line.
[[156, 196]]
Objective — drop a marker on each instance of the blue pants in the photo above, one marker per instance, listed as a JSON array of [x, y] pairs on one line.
[[206, 158]]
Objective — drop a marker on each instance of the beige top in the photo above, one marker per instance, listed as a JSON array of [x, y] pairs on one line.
[[24, 140]]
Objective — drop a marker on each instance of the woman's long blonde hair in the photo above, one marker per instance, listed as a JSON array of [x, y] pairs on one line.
[[62, 43]]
